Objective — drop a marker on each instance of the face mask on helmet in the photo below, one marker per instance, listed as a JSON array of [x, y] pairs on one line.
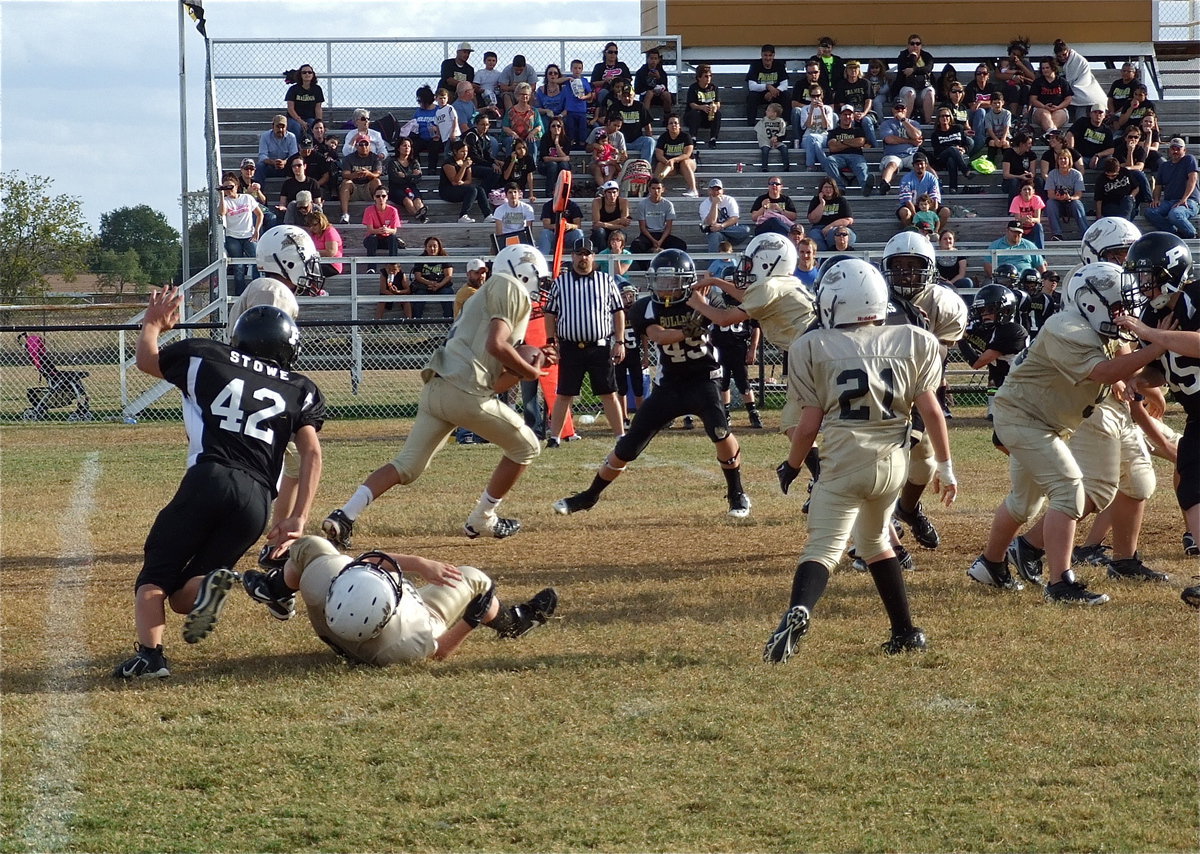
[[525, 264], [909, 265], [1108, 239], [267, 333], [765, 256], [363, 597], [289, 251], [993, 304], [850, 292], [1031, 281], [1095, 290], [1006, 275], [1156, 266], [672, 276]]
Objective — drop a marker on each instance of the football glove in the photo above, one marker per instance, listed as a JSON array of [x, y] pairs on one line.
[[786, 473]]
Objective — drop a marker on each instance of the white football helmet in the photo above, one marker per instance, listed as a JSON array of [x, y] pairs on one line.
[[362, 598], [767, 255], [289, 251], [526, 264], [851, 291], [909, 265], [1107, 234], [1095, 290]]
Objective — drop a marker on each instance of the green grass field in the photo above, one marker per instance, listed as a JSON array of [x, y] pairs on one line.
[[641, 720]]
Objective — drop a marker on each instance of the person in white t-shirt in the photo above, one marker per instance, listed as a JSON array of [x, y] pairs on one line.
[[242, 219], [514, 215]]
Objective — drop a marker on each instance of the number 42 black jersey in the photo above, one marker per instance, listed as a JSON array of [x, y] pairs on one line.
[[239, 411]]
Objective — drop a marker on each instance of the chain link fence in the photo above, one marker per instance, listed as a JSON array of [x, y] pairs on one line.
[[1176, 20]]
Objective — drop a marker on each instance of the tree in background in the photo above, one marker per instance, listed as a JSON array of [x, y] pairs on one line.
[[118, 269], [146, 232], [39, 234]]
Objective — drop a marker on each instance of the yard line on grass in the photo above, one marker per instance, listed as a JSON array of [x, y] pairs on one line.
[[52, 788]]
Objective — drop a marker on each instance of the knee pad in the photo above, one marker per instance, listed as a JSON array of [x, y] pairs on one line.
[[1068, 497], [477, 608], [1137, 479], [718, 433]]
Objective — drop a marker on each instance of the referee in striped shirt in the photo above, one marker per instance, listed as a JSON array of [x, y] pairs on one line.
[[585, 317]]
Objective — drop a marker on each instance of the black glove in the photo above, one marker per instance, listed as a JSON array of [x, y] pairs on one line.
[[786, 474]]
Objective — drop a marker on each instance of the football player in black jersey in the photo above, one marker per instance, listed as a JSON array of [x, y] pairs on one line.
[[1158, 279], [686, 384], [242, 403], [993, 338]]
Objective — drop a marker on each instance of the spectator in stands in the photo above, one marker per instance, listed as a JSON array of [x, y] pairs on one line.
[[445, 119], [946, 81], [483, 149], [766, 82], [426, 140], [305, 102], [487, 82], [551, 97], [703, 106], [1176, 194], [802, 90], [656, 220], [457, 184], [1139, 105], [242, 220], [1026, 208], [914, 77], [522, 121], [519, 168], [1078, 72], [1116, 191], [773, 210], [1049, 159], [1064, 191], [1016, 74], [1014, 249], [362, 127], [811, 125], [720, 218], [673, 154], [806, 259], [605, 73], [275, 147], [556, 154], [393, 283], [611, 259], [579, 97], [298, 180], [477, 273], [955, 101], [360, 175], [833, 67], [383, 228], [951, 147], [325, 161], [1051, 96], [327, 240], [607, 153], [458, 69], [846, 143], [1152, 139], [977, 98], [651, 84], [1119, 92], [610, 212], [920, 182], [858, 92], [1132, 154], [1018, 165], [843, 240], [829, 211], [247, 184], [1091, 139], [880, 80], [902, 139], [514, 75], [635, 121], [316, 167], [465, 106], [997, 127], [432, 277], [952, 268], [513, 216], [299, 208], [572, 224], [403, 171]]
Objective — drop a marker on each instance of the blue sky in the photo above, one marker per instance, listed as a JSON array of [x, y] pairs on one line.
[[89, 91]]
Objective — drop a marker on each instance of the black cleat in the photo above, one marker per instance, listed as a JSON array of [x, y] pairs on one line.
[[739, 505], [1027, 560], [922, 529], [782, 642], [755, 419], [1094, 555], [1071, 591], [1132, 568], [575, 503], [1191, 596], [338, 528], [1190, 547], [269, 563], [529, 615], [259, 587], [147, 664], [993, 574], [210, 601], [911, 641]]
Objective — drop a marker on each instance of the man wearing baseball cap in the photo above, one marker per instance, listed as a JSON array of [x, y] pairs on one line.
[[720, 218], [1176, 196], [845, 147], [458, 69], [901, 139], [477, 273], [1019, 251]]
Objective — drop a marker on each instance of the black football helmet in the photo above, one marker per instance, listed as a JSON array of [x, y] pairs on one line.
[[1007, 275], [1157, 265], [1031, 281], [268, 333], [997, 299], [672, 276]]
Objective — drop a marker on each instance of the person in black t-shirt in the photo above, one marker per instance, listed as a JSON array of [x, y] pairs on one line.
[[243, 402], [766, 83], [1091, 139], [1115, 191]]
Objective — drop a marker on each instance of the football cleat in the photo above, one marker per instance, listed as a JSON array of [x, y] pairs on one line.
[[1027, 559], [857, 563], [922, 529], [911, 641], [1191, 595], [1072, 591], [147, 664], [756, 422], [782, 643], [269, 563], [689, 423], [574, 503], [1094, 555], [739, 505], [993, 574], [338, 528], [529, 615], [1132, 568], [210, 601], [478, 524], [906, 560], [258, 587], [1190, 547]]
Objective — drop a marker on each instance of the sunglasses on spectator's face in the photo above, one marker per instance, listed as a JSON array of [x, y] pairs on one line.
[[915, 43], [226, 188], [381, 195], [362, 143], [250, 168], [775, 183]]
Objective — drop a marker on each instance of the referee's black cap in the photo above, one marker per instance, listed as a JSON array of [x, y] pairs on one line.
[[584, 247]]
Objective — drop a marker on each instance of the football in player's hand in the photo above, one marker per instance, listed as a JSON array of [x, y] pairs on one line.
[[532, 355]]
